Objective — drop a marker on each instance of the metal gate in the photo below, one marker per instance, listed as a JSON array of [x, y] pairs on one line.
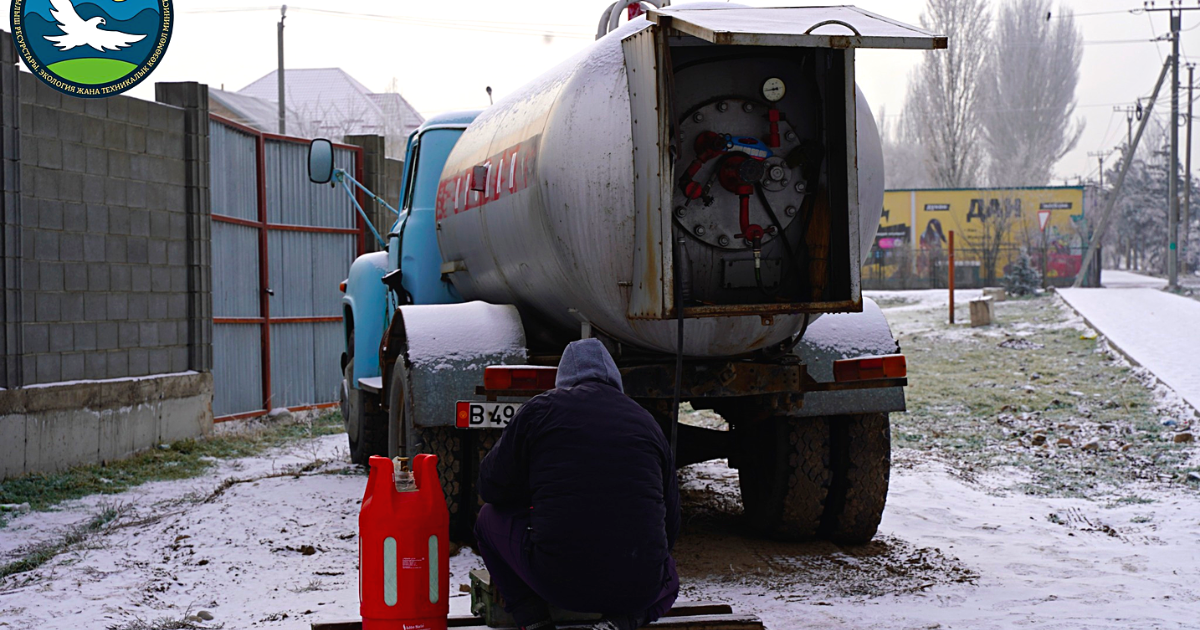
[[280, 247]]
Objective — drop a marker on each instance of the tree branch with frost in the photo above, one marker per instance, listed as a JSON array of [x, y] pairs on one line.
[[942, 108]]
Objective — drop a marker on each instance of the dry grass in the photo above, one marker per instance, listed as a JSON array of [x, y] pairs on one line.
[[1007, 395], [180, 460]]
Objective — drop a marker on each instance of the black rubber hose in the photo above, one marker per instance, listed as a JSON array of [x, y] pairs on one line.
[[678, 351], [806, 209]]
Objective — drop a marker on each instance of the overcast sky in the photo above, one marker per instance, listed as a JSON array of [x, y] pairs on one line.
[[442, 54]]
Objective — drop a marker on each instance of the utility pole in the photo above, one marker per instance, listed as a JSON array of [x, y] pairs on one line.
[[1100, 156], [1173, 182], [282, 93], [1176, 10], [1129, 111], [1102, 226], [1187, 191]]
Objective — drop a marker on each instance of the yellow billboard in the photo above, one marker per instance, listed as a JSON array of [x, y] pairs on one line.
[[992, 228]]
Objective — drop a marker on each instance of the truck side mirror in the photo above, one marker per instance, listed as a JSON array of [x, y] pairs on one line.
[[320, 161]]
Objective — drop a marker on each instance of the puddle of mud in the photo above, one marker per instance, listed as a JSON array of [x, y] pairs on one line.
[[715, 548]]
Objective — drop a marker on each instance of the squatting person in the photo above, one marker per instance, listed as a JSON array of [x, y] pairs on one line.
[[582, 503]]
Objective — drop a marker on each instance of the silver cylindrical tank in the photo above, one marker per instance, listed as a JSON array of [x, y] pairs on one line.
[[536, 207]]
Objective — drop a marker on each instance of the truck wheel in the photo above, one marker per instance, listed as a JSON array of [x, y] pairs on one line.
[[447, 444], [785, 476], [459, 454], [861, 453], [366, 432]]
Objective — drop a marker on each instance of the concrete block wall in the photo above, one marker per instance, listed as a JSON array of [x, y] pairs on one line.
[[104, 237], [105, 273]]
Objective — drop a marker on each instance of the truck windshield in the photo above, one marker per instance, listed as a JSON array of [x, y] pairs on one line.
[[434, 148]]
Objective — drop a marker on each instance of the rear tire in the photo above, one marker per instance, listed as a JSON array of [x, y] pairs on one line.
[[366, 432], [447, 444], [785, 476], [459, 453], [862, 461]]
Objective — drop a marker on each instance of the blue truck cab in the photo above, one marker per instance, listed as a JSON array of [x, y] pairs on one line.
[[412, 249]]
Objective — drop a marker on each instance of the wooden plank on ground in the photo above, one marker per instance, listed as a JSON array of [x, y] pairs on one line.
[[701, 622], [683, 616]]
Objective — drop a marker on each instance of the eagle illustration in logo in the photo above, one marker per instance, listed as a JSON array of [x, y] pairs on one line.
[[92, 48], [79, 32]]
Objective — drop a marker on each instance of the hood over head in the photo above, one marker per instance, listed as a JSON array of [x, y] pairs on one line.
[[587, 360]]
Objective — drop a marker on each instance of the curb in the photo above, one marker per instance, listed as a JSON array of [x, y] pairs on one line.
[[1128, 357]]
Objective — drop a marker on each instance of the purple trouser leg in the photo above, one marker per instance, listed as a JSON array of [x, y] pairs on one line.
[[502, 535], [666, 598]]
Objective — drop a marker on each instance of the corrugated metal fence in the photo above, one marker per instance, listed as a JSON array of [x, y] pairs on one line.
[[280, 247]]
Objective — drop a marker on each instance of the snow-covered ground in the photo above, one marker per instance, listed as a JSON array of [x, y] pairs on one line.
[[1117, 279], [276, 548], [279, 552], [1157, 330], [953, 554]]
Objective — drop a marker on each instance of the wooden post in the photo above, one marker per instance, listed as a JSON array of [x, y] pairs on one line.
[[951, 276]]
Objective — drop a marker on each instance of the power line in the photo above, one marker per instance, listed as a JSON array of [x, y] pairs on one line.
[[1091, 13], [1150, 19], [1029, 109], [511, 28], [1122, 41]]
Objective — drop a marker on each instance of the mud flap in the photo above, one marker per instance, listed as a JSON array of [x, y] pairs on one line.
[[445, 348], [847, 336]]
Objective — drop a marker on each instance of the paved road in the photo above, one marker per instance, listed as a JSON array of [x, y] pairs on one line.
[[1158, 330]]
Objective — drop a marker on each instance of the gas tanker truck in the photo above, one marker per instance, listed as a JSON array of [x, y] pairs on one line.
[[698, 190]]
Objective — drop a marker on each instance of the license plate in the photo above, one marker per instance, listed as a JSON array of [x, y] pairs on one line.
[[484, 415]]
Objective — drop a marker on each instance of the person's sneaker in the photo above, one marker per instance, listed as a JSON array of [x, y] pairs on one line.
[[545, 624]]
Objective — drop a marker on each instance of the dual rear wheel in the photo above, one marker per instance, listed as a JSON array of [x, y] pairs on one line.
[[807, 478]]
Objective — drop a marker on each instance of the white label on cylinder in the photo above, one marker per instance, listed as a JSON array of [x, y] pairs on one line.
[[390, 589], [434, 582]]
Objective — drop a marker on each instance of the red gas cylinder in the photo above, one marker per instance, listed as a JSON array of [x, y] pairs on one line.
[[403, 547]]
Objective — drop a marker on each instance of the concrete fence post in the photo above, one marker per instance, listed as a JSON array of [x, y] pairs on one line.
[[10, 217], [374, 178], [193, 98]]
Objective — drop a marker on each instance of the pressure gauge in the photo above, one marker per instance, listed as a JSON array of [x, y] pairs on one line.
[[773, 89]]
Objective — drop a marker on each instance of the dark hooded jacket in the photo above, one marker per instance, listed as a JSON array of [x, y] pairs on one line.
[[597, 473]]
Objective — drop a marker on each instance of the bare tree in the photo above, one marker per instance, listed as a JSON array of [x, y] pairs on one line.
[[997, 224], [902, 155], [942, 108], [1029, 92]]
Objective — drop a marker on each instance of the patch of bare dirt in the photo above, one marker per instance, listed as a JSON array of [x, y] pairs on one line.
[[714, 547]]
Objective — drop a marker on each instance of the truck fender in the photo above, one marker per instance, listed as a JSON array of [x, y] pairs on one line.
[[366, 299], [846, 336], [443, 350]]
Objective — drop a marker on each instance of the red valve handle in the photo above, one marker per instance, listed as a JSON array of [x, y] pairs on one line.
[[752, 231], [708, 146]]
